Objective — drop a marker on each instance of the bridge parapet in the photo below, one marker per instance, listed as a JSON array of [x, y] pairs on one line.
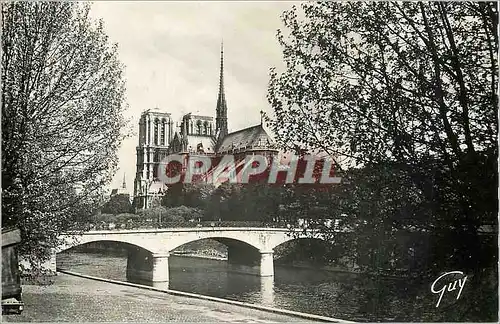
[[165, 240], [150, 224], [188, 229]]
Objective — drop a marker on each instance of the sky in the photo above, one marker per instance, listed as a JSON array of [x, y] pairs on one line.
[[171, 53]]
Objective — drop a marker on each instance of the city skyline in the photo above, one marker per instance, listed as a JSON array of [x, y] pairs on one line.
[[171, 55]]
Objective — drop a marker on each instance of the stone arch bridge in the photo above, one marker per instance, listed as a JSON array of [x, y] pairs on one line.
[[250, 250]]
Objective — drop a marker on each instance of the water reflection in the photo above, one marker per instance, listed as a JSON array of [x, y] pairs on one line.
[[340, 295], [267, 290]]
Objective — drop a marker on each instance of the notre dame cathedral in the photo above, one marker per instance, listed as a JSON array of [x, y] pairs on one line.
[[194, 136]]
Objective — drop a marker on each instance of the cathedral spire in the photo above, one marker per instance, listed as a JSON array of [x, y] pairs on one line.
[[221, 75], [124, 184], [221, 110]]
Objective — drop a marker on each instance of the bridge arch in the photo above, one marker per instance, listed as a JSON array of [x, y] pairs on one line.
[[126, 245], [140, 260], [227, 239], [304, 241], [302, 238], [238, 251], [85, 239], [246, 246], [314, 251]]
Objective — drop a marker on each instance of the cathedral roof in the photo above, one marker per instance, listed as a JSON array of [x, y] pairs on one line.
[[254, 137]]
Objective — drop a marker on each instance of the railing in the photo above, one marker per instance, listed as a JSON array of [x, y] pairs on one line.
[[183, 224]]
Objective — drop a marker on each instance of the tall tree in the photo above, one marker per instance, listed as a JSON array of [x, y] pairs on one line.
[[407, 83], [62, 106], [407, 90]]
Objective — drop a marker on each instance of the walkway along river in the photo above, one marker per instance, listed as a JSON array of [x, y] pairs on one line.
[[340, 295]]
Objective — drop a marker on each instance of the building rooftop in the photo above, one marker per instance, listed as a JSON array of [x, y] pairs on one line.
[[254, 136]]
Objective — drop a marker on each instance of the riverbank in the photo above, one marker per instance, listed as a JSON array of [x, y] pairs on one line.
[[73, 298], [199, 256]]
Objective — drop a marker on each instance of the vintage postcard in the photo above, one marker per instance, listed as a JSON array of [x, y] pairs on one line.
[[249, 161]]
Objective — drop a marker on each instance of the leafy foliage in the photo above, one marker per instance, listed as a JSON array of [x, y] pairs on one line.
[[62, 105], [118, 204], [172, 214], [408, 89], [404, 96], [398, 81], [194, 195], [182, 213], [117, 218]]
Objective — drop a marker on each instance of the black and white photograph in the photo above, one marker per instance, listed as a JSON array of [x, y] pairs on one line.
[[249, 161]]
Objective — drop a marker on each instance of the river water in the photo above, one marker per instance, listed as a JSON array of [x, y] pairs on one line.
[[340, 295]]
